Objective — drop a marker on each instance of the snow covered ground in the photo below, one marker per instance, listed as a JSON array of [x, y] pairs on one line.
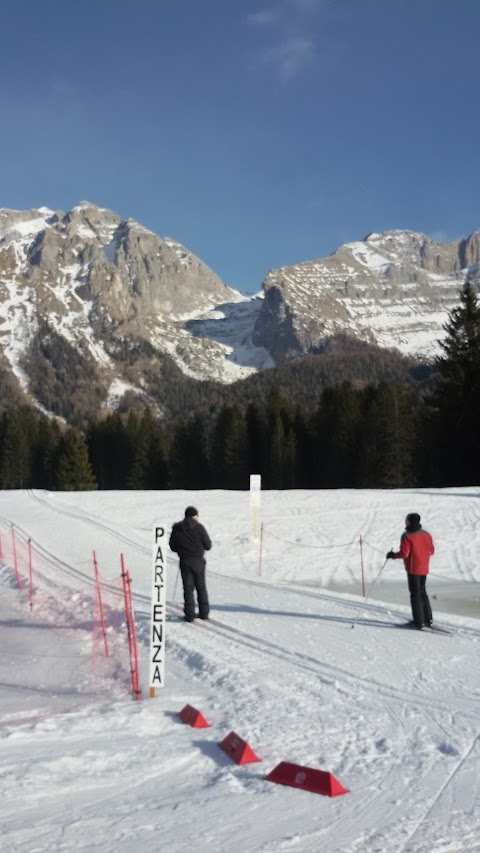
[[393, 714]]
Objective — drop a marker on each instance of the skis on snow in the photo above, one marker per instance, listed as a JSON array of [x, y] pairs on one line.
[[435, 629]]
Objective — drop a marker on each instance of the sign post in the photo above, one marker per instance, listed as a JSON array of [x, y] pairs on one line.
[[158, 611], [255, 500]]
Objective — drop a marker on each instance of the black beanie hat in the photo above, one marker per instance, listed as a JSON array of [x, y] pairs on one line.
[[190, 511], [413, 518]]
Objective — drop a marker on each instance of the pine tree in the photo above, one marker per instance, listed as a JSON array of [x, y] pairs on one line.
[[256, 439], [142, 440], [135, 456], [118, 452], [187, 462], [281, 447], [276, 455], [387, 438], [199, 463], [304, 450], [229, 449], [337, 427], [456, 417], [74, 472], [158, 471], [179, 456], [15, 449], [45, 452], [98, 450], [289, 466]]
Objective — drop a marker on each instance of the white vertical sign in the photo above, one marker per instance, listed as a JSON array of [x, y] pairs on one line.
[[255, 500], [159, 601], [255, 490]]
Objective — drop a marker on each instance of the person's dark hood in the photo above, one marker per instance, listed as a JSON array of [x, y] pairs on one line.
[[413, 522]]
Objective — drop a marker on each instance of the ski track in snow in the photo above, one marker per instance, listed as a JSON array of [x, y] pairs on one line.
[[234, 634], [393, 714]]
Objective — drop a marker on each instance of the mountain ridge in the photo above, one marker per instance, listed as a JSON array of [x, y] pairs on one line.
[[392, 289], [110, 303]]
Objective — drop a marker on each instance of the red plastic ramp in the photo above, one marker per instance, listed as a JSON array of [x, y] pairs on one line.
[[318, 781], [194, 718], [238, 749]]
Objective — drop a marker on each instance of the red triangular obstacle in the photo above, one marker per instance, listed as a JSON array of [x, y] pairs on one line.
[[238, 749], [318, 781], [193, 717]]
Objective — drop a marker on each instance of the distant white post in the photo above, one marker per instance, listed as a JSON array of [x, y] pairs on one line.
[[255, 500], [159, 602]]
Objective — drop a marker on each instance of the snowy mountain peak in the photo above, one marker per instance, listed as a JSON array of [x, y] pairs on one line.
[[109, 287], [394, 289], [125, 301]]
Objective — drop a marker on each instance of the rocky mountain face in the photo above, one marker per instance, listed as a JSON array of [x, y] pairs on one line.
[[393, 289], [93, 307], [115, 294], [89, 263]]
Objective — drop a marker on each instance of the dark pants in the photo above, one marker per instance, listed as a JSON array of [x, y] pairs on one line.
[[193, 577], [421, 610]]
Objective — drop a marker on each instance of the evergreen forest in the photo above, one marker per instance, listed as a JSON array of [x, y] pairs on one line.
[[415, 427]]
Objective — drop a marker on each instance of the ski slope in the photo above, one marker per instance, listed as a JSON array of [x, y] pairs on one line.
[[393, 714]]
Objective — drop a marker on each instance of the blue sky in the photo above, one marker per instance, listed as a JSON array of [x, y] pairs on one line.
[[258, 134]]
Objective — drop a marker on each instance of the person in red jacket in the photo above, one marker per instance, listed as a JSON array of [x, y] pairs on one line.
[[416, 548]]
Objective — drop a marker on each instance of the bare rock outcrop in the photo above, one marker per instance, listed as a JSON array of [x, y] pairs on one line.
[[392, 289]]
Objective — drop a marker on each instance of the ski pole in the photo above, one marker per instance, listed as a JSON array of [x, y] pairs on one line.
[[176, 581], [368, 596]]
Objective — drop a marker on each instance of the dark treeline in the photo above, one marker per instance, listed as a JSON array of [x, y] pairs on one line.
[[383, 434], [350, 439]]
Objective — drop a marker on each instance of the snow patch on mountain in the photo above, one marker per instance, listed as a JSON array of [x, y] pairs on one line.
[[365, 255], [116, 391], [17, 317]]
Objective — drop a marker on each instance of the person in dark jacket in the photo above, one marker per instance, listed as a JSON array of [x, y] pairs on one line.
[[416, 548], [190, 540]]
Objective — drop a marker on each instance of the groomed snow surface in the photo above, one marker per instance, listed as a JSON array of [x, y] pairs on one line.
[[393, 714]]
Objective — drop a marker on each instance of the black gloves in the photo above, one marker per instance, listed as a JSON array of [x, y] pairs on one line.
[[390, 555]]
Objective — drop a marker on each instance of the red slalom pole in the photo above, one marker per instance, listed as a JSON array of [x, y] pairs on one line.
[[15, 558], [30, 570], [131, 632], [127, 613], [136, 688], [361, 562], [100, 603]]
